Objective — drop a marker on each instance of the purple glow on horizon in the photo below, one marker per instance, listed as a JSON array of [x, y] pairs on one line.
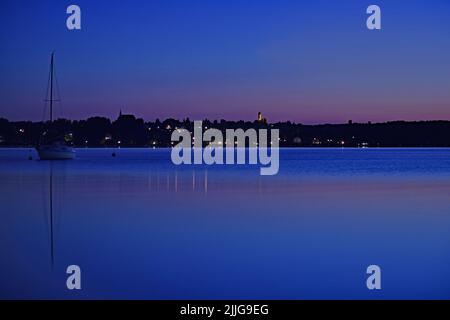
[[308, 62]]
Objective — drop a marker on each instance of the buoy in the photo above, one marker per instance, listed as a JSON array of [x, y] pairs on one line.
[[113, 154]]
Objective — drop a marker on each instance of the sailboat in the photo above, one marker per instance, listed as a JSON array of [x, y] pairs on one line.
[[53, 148]]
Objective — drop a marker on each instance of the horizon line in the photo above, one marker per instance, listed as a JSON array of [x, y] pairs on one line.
[[350, 121]]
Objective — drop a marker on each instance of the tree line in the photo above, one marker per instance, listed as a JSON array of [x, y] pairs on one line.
[[129, 131]]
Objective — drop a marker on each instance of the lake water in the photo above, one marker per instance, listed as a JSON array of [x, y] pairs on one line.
[[140, 227]]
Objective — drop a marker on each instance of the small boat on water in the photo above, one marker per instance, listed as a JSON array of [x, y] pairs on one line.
[[56, 151], [50, 146]]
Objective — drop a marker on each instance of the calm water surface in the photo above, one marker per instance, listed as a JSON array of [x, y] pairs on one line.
[[141, 227]]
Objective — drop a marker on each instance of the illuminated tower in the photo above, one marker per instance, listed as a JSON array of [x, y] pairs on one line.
[[260, 118]]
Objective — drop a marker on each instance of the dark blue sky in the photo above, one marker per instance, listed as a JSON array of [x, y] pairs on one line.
[[310, 61]]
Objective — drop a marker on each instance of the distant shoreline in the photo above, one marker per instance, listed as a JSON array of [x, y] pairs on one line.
[[169, 148], [127, 131]]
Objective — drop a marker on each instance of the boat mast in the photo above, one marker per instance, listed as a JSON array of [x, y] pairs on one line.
[[51, 88]]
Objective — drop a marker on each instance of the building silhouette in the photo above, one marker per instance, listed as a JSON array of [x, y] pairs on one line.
[[261, 119]]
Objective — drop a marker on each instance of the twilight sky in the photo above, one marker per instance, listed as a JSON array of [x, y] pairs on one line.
[[311, 61]]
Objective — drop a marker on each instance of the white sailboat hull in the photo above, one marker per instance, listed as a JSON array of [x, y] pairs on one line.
[[55, 152]]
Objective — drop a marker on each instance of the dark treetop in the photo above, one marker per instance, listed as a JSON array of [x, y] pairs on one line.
[[128, 131]]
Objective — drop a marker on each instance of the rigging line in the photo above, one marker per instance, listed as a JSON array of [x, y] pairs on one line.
[[46, 96], [58, 93]]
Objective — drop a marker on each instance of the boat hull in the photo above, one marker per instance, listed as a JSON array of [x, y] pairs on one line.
[[56, 153]]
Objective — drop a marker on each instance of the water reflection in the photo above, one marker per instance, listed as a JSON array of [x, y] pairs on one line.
[[140, 227], [158, 182], [52, 250]]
